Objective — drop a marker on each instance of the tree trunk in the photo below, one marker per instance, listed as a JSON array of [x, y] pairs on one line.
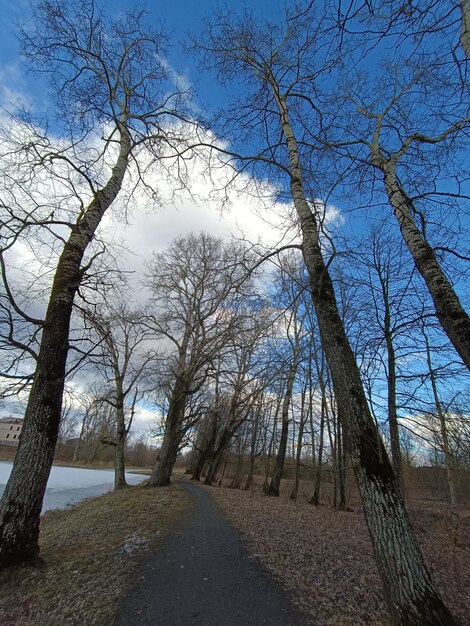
[[222, 473], [298, 453], [450, 312], [254, 440], [465, 27], [408, 588], [267, 466], [21, 503], [281, 454], [166, 458], [121, 434], [237, 479], [201, 461], [205, 455], [392, 403], [163, 467], [341, 456], [80, 436], [448, 456], [334, 463], [249, 478], [217, 458], [317, 484]]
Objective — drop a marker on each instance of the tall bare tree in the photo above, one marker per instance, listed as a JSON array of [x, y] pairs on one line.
[[283, 66], [241, 389], [199, 293], [411, 125], [112, 102], [290, 288]]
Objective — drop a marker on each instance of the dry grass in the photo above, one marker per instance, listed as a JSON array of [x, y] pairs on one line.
[[324, 557], [90, 558]]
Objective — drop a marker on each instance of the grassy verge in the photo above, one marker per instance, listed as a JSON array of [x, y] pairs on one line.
[[90, 557]]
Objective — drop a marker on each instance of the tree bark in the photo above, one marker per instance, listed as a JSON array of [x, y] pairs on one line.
[[199, 465], [298, 453], [317, 483], [449, 310], [163, 466], [121, 434], [237, 479], [465, 28], [218, 456], [253, 443], [22, 499], [206, 453], [80, 436], [392, 410], [448, 456], [341, 459]]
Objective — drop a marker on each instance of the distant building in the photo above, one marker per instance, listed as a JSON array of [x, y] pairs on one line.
[[10, 430]]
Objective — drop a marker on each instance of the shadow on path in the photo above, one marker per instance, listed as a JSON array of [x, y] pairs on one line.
[[202, 574]]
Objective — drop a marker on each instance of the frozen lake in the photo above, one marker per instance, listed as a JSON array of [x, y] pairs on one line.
[[69, 485]]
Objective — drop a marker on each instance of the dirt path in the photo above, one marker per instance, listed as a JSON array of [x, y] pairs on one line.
[[203, 575]]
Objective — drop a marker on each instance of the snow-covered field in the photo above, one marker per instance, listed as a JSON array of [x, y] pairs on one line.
[[69, 485]]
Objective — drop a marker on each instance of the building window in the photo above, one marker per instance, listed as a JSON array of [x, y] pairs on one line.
[[8, 434]]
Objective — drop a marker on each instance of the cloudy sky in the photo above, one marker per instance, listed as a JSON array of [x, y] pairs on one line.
[[201, 207]]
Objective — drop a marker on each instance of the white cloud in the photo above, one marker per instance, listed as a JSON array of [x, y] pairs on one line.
[[206, 203], [13, 88]]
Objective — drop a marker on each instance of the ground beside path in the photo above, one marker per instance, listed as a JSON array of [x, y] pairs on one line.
[[202, 574]]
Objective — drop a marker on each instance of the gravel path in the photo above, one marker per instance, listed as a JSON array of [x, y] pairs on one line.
[[202, 574]]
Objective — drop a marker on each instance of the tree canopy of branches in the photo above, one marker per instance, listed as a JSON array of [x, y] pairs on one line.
[[201, 297]]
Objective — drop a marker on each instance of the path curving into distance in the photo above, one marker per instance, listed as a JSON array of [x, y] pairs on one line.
[[203, 575]]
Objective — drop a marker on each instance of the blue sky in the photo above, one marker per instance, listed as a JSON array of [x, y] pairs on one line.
[[179, 16]]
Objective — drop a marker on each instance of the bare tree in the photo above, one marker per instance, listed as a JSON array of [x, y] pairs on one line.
[[200, 291], [385, 282], [411, 125], [453, 317], [289, 289], [112, 104], [122, 363], [283, 66], [446, 445], [241, 390]]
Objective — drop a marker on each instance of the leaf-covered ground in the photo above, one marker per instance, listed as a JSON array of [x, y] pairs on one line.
[[324, 557], [91, 555]]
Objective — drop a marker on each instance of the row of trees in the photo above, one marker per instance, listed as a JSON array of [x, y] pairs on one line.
[[197, 310], [316, 125]]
